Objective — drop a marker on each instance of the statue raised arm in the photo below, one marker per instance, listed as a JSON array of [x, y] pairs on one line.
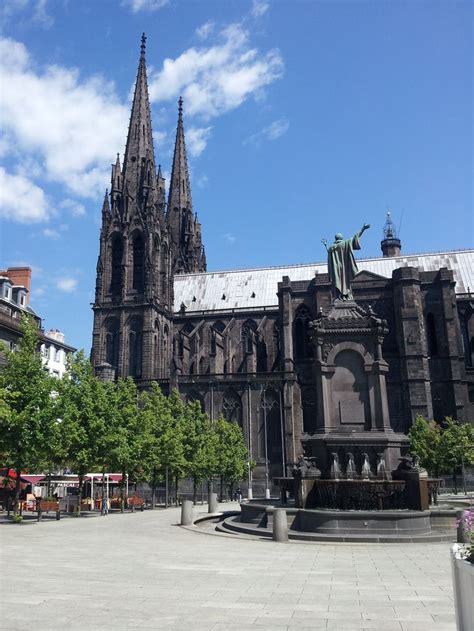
[[342, 266]]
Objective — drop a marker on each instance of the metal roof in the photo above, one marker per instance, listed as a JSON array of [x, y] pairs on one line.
[[256, 288]]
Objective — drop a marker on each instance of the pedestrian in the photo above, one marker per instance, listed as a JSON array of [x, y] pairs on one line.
[[105, 506]]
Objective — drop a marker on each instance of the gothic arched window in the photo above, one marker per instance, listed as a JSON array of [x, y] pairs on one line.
[[112, 342], [194, 396], [431, 335], [249, 329], [138, 263], [261, 355], [232, 407], [135, 338], [303, 347], [116, 261]]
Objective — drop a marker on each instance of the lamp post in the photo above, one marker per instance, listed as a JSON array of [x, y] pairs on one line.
[[266, 405]]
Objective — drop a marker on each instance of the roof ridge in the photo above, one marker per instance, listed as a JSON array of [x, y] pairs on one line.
[[321, 263]]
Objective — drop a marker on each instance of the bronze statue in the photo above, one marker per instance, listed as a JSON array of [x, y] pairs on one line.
[[342, 266]]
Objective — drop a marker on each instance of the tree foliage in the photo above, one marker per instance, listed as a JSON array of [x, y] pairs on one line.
[[85, 424], [442, 447], [27, 418]]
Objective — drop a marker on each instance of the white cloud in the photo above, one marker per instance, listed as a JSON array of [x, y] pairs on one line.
[[21, 200], [218, 78], [196, 139], [74, 208], [276, 129], [144, 5], [35, 10], [271, 132], [202, 181], [230, 238], [51, 234], [66, 284], [259, 8], [69, 124], [205, 29]]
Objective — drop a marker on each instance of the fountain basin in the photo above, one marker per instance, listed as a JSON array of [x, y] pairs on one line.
[[340, 525]]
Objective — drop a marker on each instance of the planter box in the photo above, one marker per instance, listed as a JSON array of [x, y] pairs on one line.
[[463, 584]]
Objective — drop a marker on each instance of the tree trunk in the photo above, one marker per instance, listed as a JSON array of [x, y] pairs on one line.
[[195, 491], [16, 508], [176, 482], [221, 489], [153, 489], [79, 494]]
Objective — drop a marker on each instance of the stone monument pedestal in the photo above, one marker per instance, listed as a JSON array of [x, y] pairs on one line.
[[354, 438]]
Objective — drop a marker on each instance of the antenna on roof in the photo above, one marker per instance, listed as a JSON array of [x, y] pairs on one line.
[[400, 224]]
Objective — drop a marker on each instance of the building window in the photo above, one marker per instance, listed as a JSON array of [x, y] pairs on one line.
[[303, 346], [261, 355], [117, 256], [232, 407], [112, 343], [249, 329], [138, 263], [57, 354], [431, 335], [135, 337]]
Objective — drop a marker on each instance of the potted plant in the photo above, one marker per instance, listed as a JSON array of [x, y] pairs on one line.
[[462, 564]]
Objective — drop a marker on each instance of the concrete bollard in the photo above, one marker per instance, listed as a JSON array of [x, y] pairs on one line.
[[186, 513], [280, 525], [213, 505]]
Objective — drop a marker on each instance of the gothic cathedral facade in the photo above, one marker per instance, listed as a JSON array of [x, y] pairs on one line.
[[239, 341]]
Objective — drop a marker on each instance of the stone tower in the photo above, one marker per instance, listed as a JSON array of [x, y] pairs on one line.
[[134, 288], [184, 228]]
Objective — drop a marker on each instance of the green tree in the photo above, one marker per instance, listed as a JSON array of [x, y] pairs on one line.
[[161, 420], [200, 445], [232, 454], [425, 441], [127, 450], [28, 416], [456, 444], [86, 411]]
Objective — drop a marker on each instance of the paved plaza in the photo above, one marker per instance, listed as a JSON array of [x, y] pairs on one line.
[[142, 571]]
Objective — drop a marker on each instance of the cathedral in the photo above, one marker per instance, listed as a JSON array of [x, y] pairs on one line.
[[244, 343]]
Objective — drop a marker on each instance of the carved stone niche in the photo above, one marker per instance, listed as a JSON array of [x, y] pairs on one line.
[[349, 375]]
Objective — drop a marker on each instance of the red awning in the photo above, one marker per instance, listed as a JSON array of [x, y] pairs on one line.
[[32, 479]]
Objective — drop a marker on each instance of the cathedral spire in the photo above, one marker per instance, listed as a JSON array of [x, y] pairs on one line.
[[139, 159], [180, 189]]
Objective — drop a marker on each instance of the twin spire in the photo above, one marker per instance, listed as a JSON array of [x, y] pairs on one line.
[[138, 185]]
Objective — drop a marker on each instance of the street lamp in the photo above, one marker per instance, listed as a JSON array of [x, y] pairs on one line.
[[266, 405]]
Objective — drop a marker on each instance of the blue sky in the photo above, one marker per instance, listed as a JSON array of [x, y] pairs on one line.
[[302, 119]]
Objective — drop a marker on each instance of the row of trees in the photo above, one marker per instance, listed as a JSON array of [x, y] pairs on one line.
[[85, 424], [442, 447]]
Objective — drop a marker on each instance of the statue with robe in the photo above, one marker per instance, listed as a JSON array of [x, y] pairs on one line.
[[342, 266]]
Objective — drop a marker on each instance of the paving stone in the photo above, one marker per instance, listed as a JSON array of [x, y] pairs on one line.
[[139, 571]]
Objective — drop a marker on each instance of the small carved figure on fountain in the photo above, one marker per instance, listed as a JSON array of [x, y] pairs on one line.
[[405, 466], [381, 470], [335, 467], [350, 468], [366, 471], [306, 468], [422, 472]]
